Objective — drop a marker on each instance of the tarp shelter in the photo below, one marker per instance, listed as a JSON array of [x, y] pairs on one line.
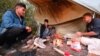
[[91, 4], [64, 14]]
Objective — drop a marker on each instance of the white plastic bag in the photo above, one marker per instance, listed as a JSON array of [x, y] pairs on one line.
[[76, 46]]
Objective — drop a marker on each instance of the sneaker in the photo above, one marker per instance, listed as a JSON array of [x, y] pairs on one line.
[[11, 51], [42, 40], [39, 43]]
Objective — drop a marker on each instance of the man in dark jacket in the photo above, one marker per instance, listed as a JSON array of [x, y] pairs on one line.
[[44, 33], [91, 37], [13, 25], [44, 29]]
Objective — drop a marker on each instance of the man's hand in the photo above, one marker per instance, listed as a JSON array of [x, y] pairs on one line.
[[75, 37], [91, 33], [79, 34], [29, 29]]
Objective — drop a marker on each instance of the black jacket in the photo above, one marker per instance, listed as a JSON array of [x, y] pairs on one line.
[[42, 29]]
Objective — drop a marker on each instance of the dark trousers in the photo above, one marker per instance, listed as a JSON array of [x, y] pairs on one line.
[[13, 35]]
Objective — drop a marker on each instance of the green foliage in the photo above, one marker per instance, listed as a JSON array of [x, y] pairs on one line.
[[5, 5], [29, 17]]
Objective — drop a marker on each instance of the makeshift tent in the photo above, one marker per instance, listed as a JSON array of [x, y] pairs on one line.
[[64, 14], [91, 4]]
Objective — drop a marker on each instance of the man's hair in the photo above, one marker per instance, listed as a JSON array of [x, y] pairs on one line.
[[46, 20], [87, 14], [21, 5]]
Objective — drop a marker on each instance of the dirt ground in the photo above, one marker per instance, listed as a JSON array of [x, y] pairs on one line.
[[48, 51]]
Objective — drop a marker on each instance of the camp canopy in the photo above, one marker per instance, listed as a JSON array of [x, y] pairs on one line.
[[91, 4], [64, 14]]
